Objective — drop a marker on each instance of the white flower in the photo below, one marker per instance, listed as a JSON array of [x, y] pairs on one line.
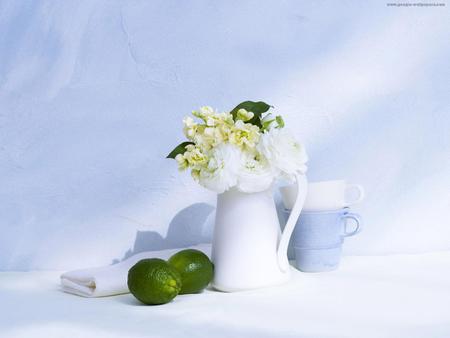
[[244, 135], [183, 164], [221, 172], [283, 152], [194, 156], [215, 130], [204, 113], [255, 174], [244, 115], [190, 127]]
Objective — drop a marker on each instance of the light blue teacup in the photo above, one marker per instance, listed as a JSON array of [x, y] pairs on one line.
[[318, 238]]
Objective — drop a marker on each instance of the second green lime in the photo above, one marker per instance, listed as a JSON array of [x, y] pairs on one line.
[[195, 268]]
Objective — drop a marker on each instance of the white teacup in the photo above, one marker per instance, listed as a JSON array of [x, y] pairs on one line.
[[324, 195]]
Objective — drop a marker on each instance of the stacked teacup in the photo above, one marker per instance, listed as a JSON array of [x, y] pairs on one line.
[[324, 223]]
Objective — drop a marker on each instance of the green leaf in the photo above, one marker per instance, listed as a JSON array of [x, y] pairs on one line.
[[257, 108], [266, 124], [179, 149], [280, 121]]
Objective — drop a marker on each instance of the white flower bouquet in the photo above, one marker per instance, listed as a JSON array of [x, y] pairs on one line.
[[247, 148]]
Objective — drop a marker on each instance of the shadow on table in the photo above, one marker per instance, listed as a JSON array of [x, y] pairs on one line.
[[190, 226]]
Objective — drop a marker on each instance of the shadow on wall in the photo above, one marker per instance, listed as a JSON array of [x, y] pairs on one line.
[[190, 226]]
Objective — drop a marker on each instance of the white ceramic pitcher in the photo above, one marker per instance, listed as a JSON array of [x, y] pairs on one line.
[[248, 248]]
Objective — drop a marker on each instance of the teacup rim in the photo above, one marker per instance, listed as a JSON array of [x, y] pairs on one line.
[[334, 211], [292, 185], [334, 246], [340, 180]]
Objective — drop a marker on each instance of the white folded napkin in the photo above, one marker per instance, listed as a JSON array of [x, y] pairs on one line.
[[112, 280]]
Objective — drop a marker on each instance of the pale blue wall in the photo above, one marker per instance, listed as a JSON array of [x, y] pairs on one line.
[[92, 94]]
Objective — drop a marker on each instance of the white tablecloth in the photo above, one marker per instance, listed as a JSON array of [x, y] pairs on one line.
[[382, 296]]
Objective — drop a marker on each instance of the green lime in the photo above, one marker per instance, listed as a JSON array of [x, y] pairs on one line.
[[195, 268], [154, 281]]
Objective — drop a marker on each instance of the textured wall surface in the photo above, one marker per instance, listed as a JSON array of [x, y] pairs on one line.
[[92, 94]]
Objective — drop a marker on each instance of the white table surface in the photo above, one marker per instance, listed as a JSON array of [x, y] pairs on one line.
[[377, 296]]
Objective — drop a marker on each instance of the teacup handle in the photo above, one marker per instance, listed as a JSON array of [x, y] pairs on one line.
[[358, 222], [360, 190]]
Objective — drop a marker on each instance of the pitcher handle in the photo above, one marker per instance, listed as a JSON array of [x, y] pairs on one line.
[[302, 185]]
